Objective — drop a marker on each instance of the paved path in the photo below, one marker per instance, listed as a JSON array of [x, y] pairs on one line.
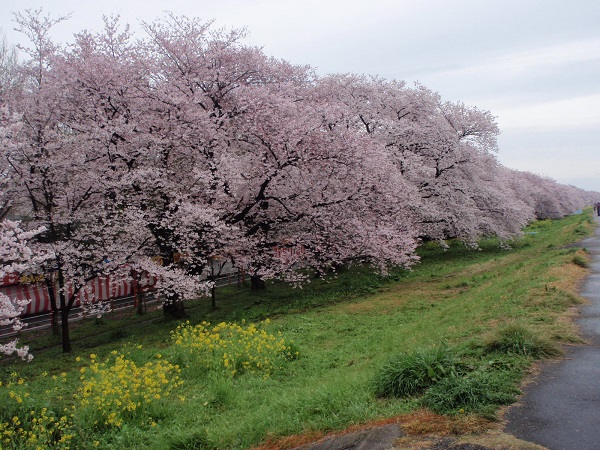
[[561, 409]]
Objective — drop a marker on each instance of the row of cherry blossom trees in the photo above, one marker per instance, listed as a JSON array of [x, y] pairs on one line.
[[188, 142]]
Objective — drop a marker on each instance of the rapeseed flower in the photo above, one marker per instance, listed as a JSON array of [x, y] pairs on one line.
[[118, 389], [231, 348]]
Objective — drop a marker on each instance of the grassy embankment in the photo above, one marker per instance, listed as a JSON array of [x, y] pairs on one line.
[[489, 313]]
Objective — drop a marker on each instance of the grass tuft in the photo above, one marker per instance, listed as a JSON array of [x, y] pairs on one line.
[[479, 392], [581, 261], [518, 340], [410, 374]]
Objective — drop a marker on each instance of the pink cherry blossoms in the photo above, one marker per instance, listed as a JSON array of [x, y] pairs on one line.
[[188, 142], [15, 256]]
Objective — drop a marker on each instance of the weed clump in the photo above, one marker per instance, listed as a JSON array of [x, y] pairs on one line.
[[411, 374], [581, 261], [451, 381], [25, 422], [517, 340], [478, 392]]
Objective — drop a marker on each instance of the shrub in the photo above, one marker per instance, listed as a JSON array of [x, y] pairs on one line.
[[518, 340], [411, 374]]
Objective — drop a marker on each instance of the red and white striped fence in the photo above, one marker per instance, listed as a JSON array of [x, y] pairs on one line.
[[98, 289]]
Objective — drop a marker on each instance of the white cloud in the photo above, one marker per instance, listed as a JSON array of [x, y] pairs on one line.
[[572, 113], [515, 64]]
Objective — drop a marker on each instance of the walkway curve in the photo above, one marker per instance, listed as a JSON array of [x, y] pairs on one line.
[[561, 408]]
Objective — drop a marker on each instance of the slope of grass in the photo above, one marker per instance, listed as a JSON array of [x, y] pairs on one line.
[[344, 331]]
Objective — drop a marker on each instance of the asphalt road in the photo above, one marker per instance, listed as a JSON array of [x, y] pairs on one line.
[[561, 409]]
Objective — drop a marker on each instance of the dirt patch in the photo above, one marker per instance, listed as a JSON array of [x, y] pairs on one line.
[[487, 441], [569, 276], [421, 430]]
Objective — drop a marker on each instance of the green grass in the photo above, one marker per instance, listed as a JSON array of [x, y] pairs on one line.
[[409, 374], [475, 378], [478, 392], [346, 331]]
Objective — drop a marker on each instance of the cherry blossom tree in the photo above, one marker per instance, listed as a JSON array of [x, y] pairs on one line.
[[446, 150], [15, 256], [10, 82], [6, 196], [546, 198], [10, 78], [273, 158], [62, 174], [312, 182]]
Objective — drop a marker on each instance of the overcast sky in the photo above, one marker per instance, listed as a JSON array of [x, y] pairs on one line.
[[535, 64]]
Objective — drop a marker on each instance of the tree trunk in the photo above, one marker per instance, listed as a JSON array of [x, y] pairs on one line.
[[257, 283], [53, 309], [213, 291], [141, 302], [66, 340], [65, 307], [173, 307], [138, 293], [54, 323]]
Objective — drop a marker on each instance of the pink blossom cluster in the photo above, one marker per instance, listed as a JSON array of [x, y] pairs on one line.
[[15, 255]]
